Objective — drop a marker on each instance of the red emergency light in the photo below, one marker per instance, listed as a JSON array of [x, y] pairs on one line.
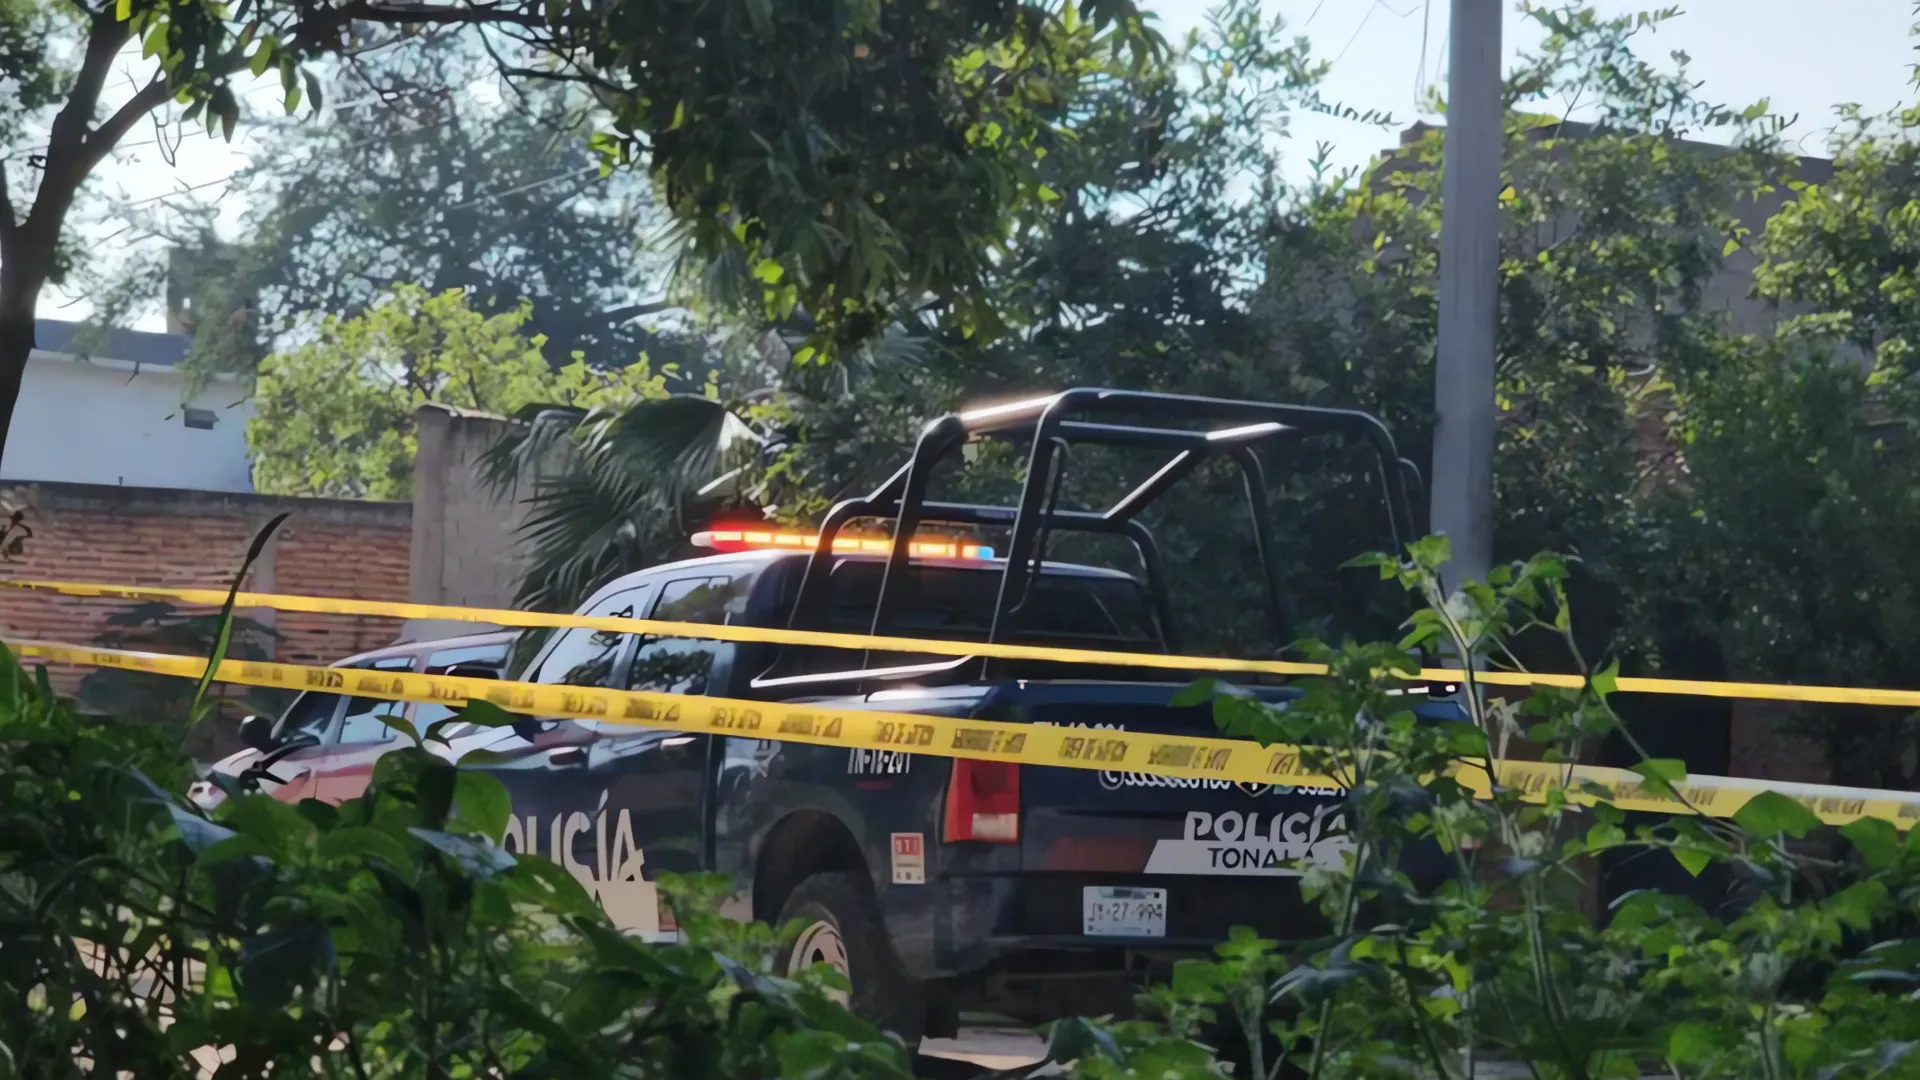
[[729, 540]]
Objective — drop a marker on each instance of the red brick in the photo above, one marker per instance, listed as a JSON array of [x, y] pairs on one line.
[[188, 539]]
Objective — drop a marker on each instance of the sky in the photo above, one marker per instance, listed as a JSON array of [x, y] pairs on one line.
[[1851, 51]]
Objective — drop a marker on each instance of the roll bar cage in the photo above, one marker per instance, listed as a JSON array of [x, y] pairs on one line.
[[1193, 430]]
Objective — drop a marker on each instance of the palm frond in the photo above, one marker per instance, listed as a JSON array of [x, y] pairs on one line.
[[535, 434], [621, 495]]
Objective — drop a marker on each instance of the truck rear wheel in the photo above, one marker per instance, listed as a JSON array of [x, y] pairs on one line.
[[841, 927]]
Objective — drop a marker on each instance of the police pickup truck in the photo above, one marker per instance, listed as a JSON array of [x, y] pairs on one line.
[[938, 886]]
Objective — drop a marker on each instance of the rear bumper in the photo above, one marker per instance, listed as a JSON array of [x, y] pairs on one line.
[[1014, 944], [965, 925]]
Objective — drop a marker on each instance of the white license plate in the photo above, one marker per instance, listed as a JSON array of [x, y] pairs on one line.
[[1123, 911]]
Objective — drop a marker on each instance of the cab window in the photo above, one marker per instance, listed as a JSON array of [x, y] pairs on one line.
[[311, 714], [685, 665], [428, 713], [586, 657]]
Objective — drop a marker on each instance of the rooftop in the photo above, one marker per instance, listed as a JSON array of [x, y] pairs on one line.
[[131, 346]]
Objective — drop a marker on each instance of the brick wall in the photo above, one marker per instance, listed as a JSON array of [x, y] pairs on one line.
[[146, 536]]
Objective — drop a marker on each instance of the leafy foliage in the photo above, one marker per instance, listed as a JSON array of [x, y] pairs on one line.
[[388, 936], [418, 179], [837, 156], [336, 414], [1500, 960]]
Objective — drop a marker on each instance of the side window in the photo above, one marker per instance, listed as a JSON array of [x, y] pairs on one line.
[[310, 714], [584, 657], [363, 723], [428, 713], [683, 665], [472, 654]]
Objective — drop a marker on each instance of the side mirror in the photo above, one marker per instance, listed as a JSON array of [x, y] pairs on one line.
[[257, 733], [529, 728]]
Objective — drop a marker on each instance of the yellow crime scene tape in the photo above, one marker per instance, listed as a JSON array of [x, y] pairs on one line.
[[1232, 760], [327, 605]]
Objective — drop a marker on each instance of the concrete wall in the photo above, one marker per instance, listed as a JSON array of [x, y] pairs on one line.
[[104, 421], [464, 551]]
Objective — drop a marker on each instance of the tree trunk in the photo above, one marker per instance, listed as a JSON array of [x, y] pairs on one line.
[[21, 278]]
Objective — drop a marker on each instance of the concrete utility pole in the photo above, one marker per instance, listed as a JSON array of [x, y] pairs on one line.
[[1462, 505]]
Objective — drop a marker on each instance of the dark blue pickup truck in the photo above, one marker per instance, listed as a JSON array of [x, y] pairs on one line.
[[938, 885]]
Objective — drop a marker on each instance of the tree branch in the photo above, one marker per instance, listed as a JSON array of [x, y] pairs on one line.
[[439, 14], [635, 311], [67, 139], [101, 140]]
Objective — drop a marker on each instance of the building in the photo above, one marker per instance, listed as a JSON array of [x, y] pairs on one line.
[[116, 412]]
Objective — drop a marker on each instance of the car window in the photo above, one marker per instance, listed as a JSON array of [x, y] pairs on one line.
[[310, 714], [363, 723], [428, 713], [683, 665], [585, 657], [470, 654]]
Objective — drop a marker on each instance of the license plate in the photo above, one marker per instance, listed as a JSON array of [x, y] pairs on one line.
[[1123, 911]]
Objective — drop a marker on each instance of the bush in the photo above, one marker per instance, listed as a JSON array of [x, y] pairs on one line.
[[1505, 961], [387, 937]]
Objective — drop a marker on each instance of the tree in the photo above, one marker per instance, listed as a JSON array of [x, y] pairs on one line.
[[336, 414], [417, 180], [1179, 261], [831, 154]]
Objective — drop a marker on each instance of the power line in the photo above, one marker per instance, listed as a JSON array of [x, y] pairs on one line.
[[1420, 68], [1371, 8], [1377, 5]]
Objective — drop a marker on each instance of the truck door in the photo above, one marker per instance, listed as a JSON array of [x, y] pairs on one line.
[[656, 784], [557, 812]]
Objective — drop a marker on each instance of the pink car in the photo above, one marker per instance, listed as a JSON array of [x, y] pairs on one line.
[[324, 746]]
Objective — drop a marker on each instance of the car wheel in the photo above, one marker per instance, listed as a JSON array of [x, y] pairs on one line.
[[842, 928]]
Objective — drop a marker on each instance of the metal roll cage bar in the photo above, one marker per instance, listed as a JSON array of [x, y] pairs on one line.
[[1052, 425]]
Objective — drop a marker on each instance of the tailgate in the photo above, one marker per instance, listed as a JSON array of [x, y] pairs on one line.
[[1133, 823]]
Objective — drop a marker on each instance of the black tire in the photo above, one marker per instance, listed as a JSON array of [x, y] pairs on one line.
[[882, 993]]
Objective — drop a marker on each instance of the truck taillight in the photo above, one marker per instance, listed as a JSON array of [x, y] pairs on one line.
[[983, 802]]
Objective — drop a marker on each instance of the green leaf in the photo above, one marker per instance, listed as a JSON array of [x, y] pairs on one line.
[[233, 847], [1730, 246], [313, 90], [1198, 692], [122, 10], [1876, 839], [224, 636], [1771, 813], [262, 56], [1047, 194], [1607, 679], [402, 725], [1693, 1042], [1661, 774], [482, 803], [1692, 860], [363, 843], [484, 713]]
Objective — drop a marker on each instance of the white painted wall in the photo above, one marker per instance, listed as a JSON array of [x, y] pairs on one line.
[[101, 421]]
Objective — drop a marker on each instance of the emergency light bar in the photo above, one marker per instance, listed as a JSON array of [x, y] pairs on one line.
[[754, 540]]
